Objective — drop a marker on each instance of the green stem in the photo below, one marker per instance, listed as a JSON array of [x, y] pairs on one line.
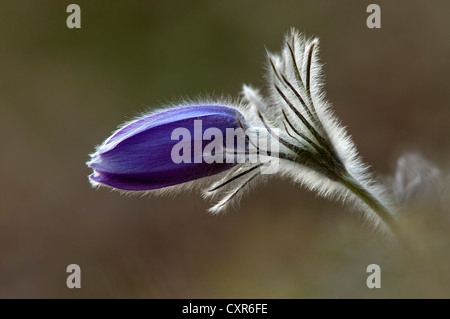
[[355, 187]]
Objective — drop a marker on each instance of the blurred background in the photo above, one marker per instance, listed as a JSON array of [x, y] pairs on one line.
[[62, 91]]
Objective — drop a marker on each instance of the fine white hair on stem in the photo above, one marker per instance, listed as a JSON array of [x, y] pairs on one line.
[[314, 148], [325, 159]]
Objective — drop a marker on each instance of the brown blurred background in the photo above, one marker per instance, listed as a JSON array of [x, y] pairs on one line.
[[62, 91]]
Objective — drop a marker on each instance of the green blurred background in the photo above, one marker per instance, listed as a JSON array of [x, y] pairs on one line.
[[62, 91]]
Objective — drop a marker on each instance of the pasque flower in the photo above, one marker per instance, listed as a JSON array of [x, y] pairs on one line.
[[139, 155], [305, 141]]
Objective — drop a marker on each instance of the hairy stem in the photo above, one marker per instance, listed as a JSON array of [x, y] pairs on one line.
[[355, 187]]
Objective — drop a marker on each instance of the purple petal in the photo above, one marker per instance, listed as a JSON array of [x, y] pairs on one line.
[[138, 156]]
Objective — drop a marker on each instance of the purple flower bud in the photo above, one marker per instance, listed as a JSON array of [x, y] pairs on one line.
[[140, 155]]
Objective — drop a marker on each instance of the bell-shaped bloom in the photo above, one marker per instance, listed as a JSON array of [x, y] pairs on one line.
[[164, 148]]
